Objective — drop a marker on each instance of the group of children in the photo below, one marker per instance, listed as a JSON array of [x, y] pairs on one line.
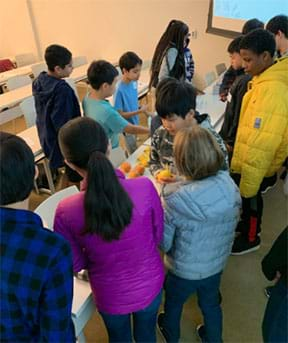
[[114, 226]]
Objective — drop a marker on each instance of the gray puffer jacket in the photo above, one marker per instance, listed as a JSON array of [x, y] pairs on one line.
[[200, 221]]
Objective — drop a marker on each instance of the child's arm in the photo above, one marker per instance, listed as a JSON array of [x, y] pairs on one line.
[[136, 129], [128, 115], [155, 163], [169, 230]]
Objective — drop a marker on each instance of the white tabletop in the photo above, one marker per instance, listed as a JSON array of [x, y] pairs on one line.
[[79, 73], [82, 295], [26, 70], [15, 96], [30, 136]]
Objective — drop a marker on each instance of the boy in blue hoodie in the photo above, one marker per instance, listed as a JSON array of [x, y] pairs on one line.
[[56, 103]]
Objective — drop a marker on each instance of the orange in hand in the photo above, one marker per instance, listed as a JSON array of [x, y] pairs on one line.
[[125, 167]]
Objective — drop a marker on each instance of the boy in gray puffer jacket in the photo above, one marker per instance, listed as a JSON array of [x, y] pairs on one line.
[[201, 214]]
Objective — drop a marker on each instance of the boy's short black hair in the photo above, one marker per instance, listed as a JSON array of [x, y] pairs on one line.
[[251, 25], [100, 72], [17, 169], [278, 23], [234, 46], [259, 41], [174, 97], [129, 60], [57, 55]]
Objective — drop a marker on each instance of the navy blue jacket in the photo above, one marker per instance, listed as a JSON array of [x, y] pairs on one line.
[[56, 103]]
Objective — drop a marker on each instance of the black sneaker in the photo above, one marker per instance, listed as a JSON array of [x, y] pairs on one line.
[[201, 332], [242, 246], [268, 291], [161, 328], [241, 228], [268, 183]]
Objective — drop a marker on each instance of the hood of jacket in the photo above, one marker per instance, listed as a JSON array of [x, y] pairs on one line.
[[210, 197], [44, 86]]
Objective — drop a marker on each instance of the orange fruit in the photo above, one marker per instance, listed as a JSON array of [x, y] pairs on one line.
[[165, 173], [132, 174], [139, 169], [125, 167]]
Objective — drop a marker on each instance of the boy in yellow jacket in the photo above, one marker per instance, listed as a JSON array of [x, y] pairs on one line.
[[262, 136]]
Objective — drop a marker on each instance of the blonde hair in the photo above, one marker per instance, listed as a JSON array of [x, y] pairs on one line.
[[197, 154]]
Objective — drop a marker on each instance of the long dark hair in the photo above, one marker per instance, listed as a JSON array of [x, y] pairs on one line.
[[172, 37], [108, 208]]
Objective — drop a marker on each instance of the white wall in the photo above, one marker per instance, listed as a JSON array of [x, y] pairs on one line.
[[107, 28], [16, 34]]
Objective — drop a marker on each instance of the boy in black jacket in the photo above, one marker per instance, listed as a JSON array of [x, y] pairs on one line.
[[56, 103], [234, 99]]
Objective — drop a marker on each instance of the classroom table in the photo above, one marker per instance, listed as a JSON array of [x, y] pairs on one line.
[[83, 307], [30, 136], [14, 97], [26, 70]]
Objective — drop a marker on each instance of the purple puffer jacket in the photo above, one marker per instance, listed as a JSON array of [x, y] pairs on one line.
[[125, 275]]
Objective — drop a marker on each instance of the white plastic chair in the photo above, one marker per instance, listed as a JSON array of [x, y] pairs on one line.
[[117, 156], [18, 81], [37, 68], [28, 109], [220, 68], [210, 77], [79, 61], [24, 59], [46, 210]]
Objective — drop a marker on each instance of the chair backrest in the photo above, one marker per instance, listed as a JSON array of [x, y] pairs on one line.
[[6, 65], [220, 68], [24, 59], [18, 81], [117, 156], [210, 77], [46, 210], [37, 68], [28, 109], [79, 61]]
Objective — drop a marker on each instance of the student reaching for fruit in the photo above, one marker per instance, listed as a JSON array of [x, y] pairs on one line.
[[175, 104]]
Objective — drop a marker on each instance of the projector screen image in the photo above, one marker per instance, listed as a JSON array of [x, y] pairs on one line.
[[230, 15]]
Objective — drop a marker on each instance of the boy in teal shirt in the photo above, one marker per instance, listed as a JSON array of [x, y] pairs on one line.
[[126, 95], [102, 77]]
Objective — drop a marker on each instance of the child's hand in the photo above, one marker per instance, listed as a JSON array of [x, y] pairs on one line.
[[223, 97], [165, 180], [143, 108], [165, 176]]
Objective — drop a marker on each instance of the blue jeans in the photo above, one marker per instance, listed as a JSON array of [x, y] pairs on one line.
[[144, 324], [178, 290], [274, 326]]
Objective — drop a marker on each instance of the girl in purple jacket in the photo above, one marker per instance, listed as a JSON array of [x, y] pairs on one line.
[[114, 227]]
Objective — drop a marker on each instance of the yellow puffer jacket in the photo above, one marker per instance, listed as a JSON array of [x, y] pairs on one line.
[[262, 138]]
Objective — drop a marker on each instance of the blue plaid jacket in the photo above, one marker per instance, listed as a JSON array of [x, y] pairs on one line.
[[36, 281]]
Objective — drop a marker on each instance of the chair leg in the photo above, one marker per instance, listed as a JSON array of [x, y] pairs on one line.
[[49, 175], [36, 187]]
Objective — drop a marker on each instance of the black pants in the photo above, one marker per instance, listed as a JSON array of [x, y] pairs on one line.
[[252, 212]]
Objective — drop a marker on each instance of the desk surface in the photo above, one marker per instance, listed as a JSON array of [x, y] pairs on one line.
[[26, 70], [82, 295], [15, 96]]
